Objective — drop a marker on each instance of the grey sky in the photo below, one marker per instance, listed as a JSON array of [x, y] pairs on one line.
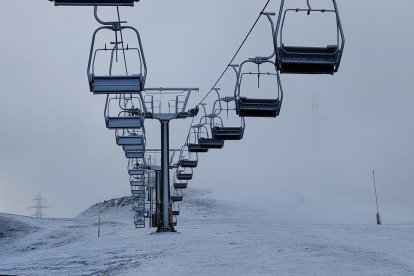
[[309, 164]]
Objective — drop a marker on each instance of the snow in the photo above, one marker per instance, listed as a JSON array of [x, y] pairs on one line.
[[214, 238]]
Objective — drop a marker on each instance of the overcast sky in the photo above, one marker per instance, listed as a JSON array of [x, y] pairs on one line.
[[312, 164]]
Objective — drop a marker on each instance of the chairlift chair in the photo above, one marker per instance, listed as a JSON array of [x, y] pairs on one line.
[[187, 163], [136, 171], [139, 209], [187, 159], [175, 212], [133, 148], [227, 133], [134, 154], [127, 138], [205, 139], [139, 221], [126, 83], [304, 59], [139, 206], [127, 116], [123, 122], [130, 140], [193, 147], [192, 141], [94, 2], [184, 175], [180, 185], [174, 221], [137, 182], [210, 143], [175, 209], [176, 198], [258, 107], [137, 190], [218, 130]]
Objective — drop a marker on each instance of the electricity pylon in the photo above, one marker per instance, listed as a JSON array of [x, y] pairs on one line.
[[38, 207]]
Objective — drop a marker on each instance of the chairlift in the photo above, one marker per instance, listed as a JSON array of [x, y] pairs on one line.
[[137, 190], [139, 209], [190, 113], [127, 138], [174, 221], [211, 143], [197, 148], [258, 107], [176, 198], [205, 139], [94, 2], [127, 115], [175, 212], [136, 171], [218, 130], [180, 185], [126, 83], [184, 175], [175, 209], [123, 122], [186, 163], [137, 182], [139, 221], [139, 206], [301, 59], [136, 148], [187, 159], [134, 154], [192, 141]]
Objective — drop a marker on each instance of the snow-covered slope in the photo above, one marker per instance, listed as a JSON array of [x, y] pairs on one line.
[[213, 239]]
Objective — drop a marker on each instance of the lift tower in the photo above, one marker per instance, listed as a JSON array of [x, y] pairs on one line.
[[175, 109]]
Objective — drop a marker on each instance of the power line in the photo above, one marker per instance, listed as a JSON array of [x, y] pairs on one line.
[[237, 52], [231, 61]]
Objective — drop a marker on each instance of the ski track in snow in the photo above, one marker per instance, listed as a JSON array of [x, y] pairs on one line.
[[213, 239]]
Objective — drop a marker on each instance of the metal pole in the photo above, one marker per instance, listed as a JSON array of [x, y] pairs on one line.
[[165, 169], [376, 199], [158, 198], [99, 220]]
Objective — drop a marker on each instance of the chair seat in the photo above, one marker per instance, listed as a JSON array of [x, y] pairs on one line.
[[177, 198], [188, 163], [210, 143], [134, 154], [130, 122], [184, 176], [129, 140], [137, 192], [116, 84], [137, 183], [308, 60], [136, 172], [133, 148], [196, 148], [178, 185], [95, 2], [140, 224], [138, 209], [227, 133], [249, 107]]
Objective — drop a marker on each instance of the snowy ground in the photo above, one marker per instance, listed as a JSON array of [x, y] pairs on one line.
[[213, 239]]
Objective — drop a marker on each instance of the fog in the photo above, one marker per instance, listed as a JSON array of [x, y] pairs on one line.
[[311, 164]]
